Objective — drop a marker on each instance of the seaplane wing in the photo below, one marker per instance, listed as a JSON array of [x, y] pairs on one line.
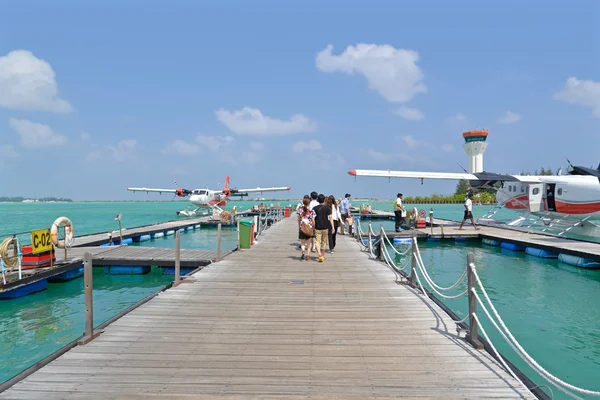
[[178, 191], [238, 192], [480, 176]]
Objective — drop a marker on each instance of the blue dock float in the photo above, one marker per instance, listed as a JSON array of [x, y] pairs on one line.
[[197, 226], [189, 228], [157, 235], [490, 242], [67, 276], [24, 290], [578, 261], [434, 239], [537, 252], [127, 269], [402, 240], [512, 246], [141, 238], [182, 270], [168, 233]]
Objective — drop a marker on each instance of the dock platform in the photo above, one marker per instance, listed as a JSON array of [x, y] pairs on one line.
[[138, 255], [263, 324]]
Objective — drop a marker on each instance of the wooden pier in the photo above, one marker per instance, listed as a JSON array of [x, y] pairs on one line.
[[263, 324]]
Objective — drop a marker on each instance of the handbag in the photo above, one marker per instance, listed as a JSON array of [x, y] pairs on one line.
[[307, 230]]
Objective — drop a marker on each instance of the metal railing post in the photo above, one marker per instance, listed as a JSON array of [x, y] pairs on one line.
[[238, 235], [473, 335], [89, 300], [381, 254], [177, 257], [370, 240], [413, 264], [219, 242]]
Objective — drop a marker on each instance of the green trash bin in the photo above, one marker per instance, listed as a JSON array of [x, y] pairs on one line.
[[246, 233]]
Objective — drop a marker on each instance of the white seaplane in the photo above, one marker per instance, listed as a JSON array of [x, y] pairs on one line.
[[562, 203], [207, 198]]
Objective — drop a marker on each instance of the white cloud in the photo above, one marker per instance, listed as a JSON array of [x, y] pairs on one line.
[[8, 151], [214, 143], [36, 135], [413, 143], [509, 118], [448, 148], [85, 136], [124, 150], [379, 156], [310, 145], [182, 147], [28, 83], [256, 146], [250, 121], [581, 93], [392, 72], [459, 117], [411, 114], [198, 145]]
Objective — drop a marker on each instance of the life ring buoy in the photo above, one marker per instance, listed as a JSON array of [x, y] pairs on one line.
[[68, 225]]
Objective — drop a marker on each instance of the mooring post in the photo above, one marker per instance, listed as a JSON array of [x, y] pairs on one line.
[[473, 335], [381, 243], [370, 239], [177, 256], [413, 264], [65, 240], [238, 235], [431, 220], [219, 242], [88, 299]]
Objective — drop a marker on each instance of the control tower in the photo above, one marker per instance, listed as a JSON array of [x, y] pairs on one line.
[[475, 145]]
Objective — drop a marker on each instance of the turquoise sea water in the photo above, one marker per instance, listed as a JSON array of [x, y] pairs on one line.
[[549, 306], [34, 326]]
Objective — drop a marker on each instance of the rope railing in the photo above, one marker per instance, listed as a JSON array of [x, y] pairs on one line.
[[419, 275]]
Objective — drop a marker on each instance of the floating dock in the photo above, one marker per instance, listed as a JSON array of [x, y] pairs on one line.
[[516, 239], [263, 324]]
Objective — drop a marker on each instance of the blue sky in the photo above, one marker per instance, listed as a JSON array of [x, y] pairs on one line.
[[98, 96]]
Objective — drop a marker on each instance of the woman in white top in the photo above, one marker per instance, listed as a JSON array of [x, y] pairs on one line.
[[336, 215]]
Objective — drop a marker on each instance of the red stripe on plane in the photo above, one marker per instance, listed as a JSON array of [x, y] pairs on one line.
[[577, 208], [518, 203]]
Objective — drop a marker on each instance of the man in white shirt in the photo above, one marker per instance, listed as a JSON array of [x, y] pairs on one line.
[[468, 212], [313, 200]]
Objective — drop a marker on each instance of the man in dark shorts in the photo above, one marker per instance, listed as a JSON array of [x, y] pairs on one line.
[[468, 212]]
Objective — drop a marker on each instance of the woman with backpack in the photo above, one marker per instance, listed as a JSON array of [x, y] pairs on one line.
[[306, 223]]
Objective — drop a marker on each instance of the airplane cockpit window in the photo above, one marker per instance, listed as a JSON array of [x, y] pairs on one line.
[[536, 191], [522, 189], [510, 188]]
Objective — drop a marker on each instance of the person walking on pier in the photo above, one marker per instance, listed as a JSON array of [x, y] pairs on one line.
[[337, 217], [306, 226], [345, 212], [299, 212], [399, 212], [323, 222], [468, 212]]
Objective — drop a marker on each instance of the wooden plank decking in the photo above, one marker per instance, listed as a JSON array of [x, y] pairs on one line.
[[139, 255], [262, 324]]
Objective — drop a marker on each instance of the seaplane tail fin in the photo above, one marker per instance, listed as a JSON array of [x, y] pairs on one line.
[[479, 176]]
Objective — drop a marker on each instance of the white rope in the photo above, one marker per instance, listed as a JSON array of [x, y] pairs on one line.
[[394, 247], [511, 344], [464, 274], [497, 353], [429, 282], [538, 367]]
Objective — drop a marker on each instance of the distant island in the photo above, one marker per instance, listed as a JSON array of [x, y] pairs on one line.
[[4, 199]]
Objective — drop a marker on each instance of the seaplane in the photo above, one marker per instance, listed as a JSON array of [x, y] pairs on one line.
[[557, 203], [207, 199]]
